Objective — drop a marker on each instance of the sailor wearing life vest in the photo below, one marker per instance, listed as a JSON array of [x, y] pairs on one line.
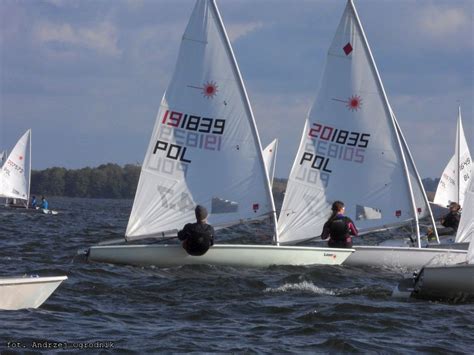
[[339, 228], [197, 237]]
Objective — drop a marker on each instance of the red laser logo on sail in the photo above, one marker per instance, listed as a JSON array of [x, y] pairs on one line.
[[209, 90], [353, 103]]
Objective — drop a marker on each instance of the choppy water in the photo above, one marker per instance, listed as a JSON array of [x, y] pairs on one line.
[[208, 309]]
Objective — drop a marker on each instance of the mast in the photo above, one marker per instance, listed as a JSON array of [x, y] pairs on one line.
[[458, 153], [29, 173], [248, 108], [394, 125]]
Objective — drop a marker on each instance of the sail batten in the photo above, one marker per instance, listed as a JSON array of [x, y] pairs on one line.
[[351, 148], [205, 147]]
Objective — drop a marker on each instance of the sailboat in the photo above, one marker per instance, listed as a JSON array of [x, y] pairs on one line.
[[15, 174], [352, 149], [27, 292], [439, 281], [455, 178], [269, 156], [453, 184], [205, 149]]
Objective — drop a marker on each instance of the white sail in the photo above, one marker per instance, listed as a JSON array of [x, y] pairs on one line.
[[204, 148], [269, 156], [351, 148], [455, 178], [15, 173], [465, 230]]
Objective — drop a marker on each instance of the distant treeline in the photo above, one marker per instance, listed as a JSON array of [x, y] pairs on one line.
[[114, 181], [105, 181]]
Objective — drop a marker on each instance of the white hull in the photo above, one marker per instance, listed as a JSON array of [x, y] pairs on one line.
[[229, 255], [447, 242], [27, 292], [445, 282], [459, 246], [402, 257], [45, 211]]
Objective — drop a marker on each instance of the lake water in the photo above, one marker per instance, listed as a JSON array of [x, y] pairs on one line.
[[207, 309]]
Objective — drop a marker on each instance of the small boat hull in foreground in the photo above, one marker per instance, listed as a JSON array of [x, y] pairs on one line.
[[439, 283], [221, 254], [402, 257], [27, 292], [452, 282]]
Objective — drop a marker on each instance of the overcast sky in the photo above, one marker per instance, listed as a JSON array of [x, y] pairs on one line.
[[87, 76]]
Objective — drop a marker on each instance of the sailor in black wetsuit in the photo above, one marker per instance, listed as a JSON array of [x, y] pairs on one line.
[[450, 222], [339, 228], [197, 237]]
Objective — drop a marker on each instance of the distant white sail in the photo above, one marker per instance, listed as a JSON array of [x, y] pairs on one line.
[[269, 156], [465, 231], [351, 149], [204, 148], [455, 178], [15, 173]]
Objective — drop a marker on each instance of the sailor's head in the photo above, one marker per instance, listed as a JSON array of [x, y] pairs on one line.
[[454, 206], [201, 213], [338, 207]]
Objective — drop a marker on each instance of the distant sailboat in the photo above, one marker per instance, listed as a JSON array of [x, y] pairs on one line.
[[439, 281], [455, 178], [205, 150], [269, 156], [352, 149], [15, 175]]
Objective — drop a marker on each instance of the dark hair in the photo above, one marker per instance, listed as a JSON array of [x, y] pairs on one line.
[[336, 206], [454, 205], [200, 212]]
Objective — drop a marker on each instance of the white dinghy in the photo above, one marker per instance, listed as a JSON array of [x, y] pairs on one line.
[[352, 149], [27, 292], [269, 156], [457, 174], [447, 282], [453, 184], [15, 175], [205, 150]]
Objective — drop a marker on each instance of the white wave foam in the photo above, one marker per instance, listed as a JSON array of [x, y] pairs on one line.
[[302, 286]]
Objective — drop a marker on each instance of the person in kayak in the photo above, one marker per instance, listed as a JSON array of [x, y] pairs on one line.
[[339, 228], [33, 202], [44, 203], [197, 237]]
